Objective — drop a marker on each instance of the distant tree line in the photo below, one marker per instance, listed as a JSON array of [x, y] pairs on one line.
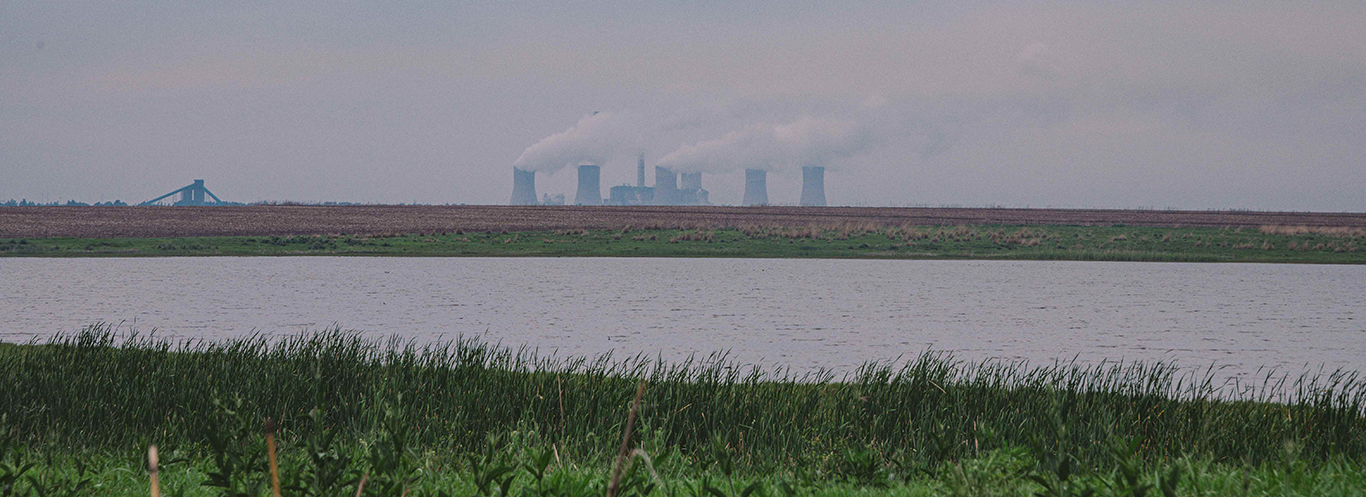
[[120, 203], [27, 203]]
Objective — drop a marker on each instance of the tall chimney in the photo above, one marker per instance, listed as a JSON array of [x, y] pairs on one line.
[[523, 187], [813, 186], [756, 187], [590, 192], [692, 181], [640, 171]]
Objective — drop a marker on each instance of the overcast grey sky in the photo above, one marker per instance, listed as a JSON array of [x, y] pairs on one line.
[[1251, 104]]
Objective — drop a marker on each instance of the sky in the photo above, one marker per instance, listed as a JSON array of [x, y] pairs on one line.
[[1147, 104]]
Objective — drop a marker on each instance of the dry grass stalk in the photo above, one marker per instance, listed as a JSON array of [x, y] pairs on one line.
[[152, 468], [625, 442], [360, 487], [270, 455]]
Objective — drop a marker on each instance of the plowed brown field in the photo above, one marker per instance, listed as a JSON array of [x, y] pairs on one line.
[[160, 222]]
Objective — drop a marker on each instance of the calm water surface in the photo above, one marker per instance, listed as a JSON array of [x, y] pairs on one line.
[[798, 313]]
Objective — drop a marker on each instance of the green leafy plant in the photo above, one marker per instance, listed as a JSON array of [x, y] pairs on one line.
[[862, 466], [238, 453], [51, 482], [327, 470], [490, 474], [1130, 470], [392, 459]]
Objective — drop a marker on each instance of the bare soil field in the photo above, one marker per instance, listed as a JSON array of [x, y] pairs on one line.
[[165, 222]]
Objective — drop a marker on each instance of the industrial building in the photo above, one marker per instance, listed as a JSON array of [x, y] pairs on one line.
[[668, 189], [665, 192], [193, 194]]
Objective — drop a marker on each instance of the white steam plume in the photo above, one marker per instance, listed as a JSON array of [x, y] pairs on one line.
[[807, 141], [595, 139]]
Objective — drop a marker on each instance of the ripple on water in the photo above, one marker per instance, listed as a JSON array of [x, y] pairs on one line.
[[802, 313]]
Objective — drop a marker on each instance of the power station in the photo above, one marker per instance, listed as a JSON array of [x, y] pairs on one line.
[[669, 188], [666, 191]]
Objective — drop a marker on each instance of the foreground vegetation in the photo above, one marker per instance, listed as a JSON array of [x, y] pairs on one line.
[[1109, 243], [522, 469], [467, 418]]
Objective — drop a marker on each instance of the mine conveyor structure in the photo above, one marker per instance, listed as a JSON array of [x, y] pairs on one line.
[[193, 194]]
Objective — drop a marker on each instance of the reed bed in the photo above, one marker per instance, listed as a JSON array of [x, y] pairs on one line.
[[96, 390]]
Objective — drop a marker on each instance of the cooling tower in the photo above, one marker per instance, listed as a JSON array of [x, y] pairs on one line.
[[692, 181], [813, 186], [523, 187], [756, 187], [590, 193]]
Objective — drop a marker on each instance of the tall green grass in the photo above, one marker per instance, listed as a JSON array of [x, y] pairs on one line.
[[98, 390]]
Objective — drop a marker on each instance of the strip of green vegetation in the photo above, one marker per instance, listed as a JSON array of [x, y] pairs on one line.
[[530, 468], [1112, 243], [348, 406]]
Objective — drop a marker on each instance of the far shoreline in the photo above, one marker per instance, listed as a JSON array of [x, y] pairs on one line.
[[379, 220], [1266, 244]]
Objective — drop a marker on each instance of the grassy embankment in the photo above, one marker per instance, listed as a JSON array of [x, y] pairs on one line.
[[455, 417], [1112, 243]]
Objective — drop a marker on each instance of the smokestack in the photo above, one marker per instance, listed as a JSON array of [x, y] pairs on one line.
[[590, 193], [756, 187], [640, 171], [523, 187], [813, 186], [692, 181]]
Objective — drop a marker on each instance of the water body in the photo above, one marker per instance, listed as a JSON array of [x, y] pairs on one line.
[[801, 314]]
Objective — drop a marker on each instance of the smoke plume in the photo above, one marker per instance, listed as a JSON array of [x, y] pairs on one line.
[[593, 140], [807, 141]]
